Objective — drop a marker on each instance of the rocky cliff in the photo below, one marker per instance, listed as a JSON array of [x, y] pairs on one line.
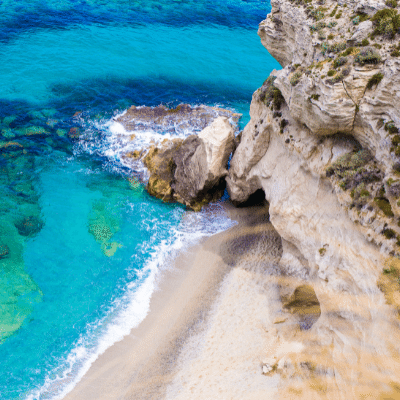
[[323, 145], [323, 139]]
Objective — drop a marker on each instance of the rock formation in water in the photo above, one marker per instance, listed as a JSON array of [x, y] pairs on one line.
[[192, 171], [175, 120]]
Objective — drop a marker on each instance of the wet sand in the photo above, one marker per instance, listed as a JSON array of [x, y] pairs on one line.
[[148, 362]]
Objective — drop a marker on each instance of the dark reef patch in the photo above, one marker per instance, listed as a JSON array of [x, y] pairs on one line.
[[108, 93]]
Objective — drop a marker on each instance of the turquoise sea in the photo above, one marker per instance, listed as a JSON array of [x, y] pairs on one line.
[[81, 242]]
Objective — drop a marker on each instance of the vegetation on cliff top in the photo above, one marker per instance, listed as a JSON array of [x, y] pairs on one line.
[[386, 22]]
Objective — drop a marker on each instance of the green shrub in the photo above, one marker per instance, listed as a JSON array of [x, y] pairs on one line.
[[331, 36], [332, 14], [332, 24], [338, 15], [395, 53], [336, 79], [364, 42], [336, 47], [359, 192], [387, 22], [269, 94], [360, 17], [368, 56], [331, 72], [356, 20], [295, 79], [349, 162], [374, 80], [396, 140], [314, 97], [347, 52], [391, 128], [339, 62], [318, 26], [384, 204], [389, 233], [391, 3], [317, 14], [277, 99], [355, 171]]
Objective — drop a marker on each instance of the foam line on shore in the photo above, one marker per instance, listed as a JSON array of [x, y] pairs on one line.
[[129, 311]]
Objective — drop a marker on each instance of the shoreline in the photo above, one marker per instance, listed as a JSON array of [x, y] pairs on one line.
[[145, 363]]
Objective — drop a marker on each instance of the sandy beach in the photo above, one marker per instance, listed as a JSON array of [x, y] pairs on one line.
[[212, 298], [218, 329]]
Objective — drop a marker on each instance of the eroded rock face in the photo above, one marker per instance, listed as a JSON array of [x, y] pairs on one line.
[[326, 158], [328, 86], [192, 171], [288, 39], [161, 165], [332, 91]]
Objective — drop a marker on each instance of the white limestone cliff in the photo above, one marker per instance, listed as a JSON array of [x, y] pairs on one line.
[[309, 129], [322, 145]]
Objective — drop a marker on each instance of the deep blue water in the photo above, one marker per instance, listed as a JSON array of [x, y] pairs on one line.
[[80, 240]]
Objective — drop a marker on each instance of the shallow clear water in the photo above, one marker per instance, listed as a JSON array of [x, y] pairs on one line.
[[80, 241]]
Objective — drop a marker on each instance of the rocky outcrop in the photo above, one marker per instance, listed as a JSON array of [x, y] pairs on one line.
[[192, 171], [175, 120], [160, 163]]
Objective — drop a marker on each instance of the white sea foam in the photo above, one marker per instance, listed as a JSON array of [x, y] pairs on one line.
[[129, 311], [115, 141]]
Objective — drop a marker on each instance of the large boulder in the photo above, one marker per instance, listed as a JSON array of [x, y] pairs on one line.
[[192, 172], [161, 166]]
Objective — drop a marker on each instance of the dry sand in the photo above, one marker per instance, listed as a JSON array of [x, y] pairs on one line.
[[218, 318], [205, 335]]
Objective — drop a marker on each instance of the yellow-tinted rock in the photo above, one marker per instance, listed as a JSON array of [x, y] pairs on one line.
[[304, 301]]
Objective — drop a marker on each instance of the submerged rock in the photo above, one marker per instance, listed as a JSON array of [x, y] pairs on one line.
[[74, 133], [29, 226], [4, 251]]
